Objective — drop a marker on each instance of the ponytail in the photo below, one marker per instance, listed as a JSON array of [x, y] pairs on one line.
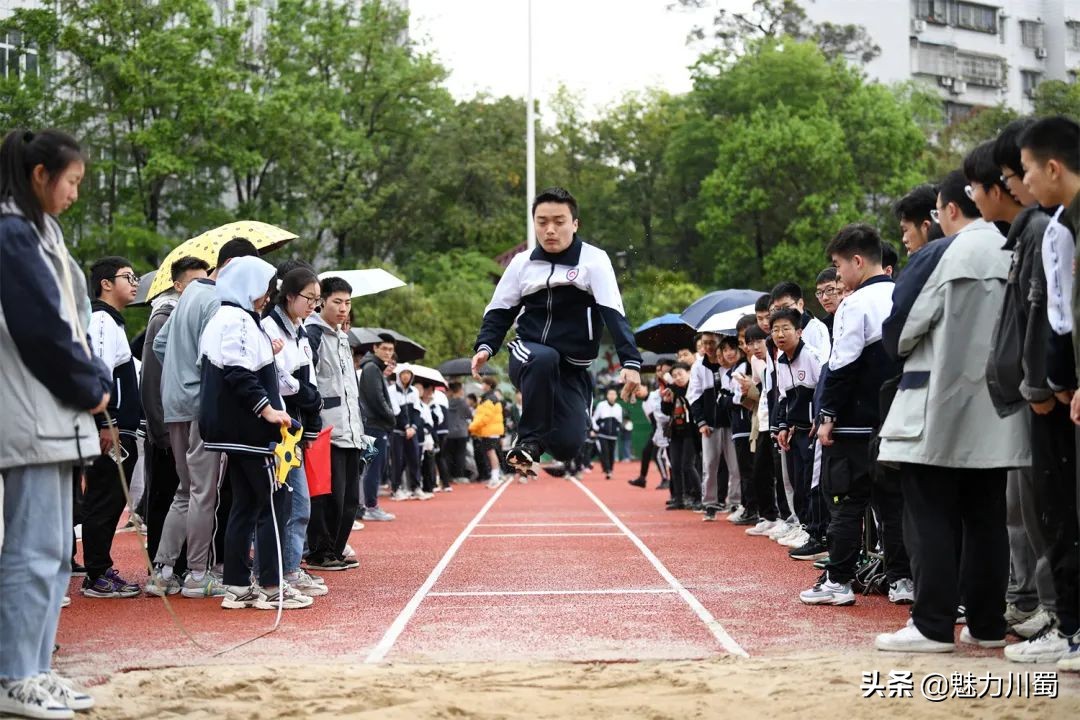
[[21, 152], [291, 279]]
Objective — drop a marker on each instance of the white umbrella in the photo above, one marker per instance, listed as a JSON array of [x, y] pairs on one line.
[[724, 323], [366, 282], [422, 372]]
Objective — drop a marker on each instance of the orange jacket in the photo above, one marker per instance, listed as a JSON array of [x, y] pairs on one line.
[[488, 420]]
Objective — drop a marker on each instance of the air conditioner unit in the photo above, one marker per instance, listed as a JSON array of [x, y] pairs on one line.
[[959, 87], [918, 26], [1041, 53], [945, 81]]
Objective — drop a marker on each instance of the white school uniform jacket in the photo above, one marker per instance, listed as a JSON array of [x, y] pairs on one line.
[[607, 419], [109, 342]]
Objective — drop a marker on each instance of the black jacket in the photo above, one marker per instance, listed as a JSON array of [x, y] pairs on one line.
[[375, 406], [678, 409]]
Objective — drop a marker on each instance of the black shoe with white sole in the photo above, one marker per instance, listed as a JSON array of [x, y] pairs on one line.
[[522, 457]]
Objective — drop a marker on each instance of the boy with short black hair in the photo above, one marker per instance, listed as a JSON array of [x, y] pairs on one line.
[[114, 285], [828, 296], [681, 431], [913, 211], [812, 331], [849, 417], [607, 418], [735, 404]]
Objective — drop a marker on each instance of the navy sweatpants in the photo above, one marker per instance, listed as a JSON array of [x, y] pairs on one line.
[[554, 398]]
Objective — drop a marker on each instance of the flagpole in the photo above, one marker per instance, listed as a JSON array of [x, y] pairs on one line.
[[530, 141]]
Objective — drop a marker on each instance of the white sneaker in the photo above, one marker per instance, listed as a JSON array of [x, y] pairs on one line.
[[793, 532], [968, 638], [348, 552], [1026, 624], [401, 494], [307, 585], [436, 489], [30, 698], [290, 597], [238, 597], [357, 525], [1047, 646], [66, 601], [764, 527], [796, 539], [421, 495], [902, 592], [377, 514], [62, 689], [781, 529], [828, 593], [494, 482], [909, 639], [737, 515]]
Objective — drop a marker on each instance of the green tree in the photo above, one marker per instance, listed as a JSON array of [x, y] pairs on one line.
[[1056, 97], [652, 292]]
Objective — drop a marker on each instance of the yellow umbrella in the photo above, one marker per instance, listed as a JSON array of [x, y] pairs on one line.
[[263, 236]]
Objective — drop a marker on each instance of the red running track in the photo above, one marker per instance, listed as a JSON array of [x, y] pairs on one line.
[[539, 571]]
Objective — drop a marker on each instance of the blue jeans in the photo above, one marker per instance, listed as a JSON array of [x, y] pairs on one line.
[[35, 566], [296, 527], [374, 471]]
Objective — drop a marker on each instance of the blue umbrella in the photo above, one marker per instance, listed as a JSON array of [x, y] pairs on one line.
[[717, 302], [666, 333]]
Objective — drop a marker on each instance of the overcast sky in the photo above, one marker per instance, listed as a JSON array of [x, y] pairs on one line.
[[599, 48]]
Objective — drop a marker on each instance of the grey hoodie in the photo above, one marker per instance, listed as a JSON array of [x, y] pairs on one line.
[[177, 347]]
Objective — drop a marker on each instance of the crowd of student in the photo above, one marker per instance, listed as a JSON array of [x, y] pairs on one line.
[[938, 397]]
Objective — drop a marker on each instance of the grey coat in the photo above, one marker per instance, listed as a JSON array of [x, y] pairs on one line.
[[945, 306], [336, 379]]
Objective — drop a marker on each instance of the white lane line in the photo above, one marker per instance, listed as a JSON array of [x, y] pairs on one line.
[[566, 524], [703, 614], [496, 593], [378, 654], [546, 535]]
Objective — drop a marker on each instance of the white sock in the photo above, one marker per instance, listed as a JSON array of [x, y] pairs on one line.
[[198, 575], [166, 572]]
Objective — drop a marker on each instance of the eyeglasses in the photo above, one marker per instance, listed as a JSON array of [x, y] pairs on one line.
[[827, 292], [1006, 178], [935, 215], [783, 331], [311, 300], [130, 277]]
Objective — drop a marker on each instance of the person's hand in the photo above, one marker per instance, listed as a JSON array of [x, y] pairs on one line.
[[478, 361], [1065, 397], [1044, 407], [1074, 409], [666, 394], [274, 416], [277, 344], [824, 434], [100, 407], [744, 382], [783, 440], [105, 439], [410, 433], [705, 431], [630, 380]]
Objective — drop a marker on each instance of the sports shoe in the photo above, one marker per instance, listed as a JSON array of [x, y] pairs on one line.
[[747, 520], [961, 615], [62, 689], [795, 531], [65, 602], [288, 597], [637, 482], [710, 513], [902, 592], [821, 563], [401, 494], [763, 527], [308, 585], [967, 637], [674, 505], [350, 563], [109, 585], [329, 564], [77, 570], [523, 456], [1026, 624], [384, 491], [436, 489], [909, 639], [30, 698], [695, 505], [737, 514], [795, 539], [1047, 645], [811, 550], [494, 482], [208, 587], [240, 596], [348, 552], [1070, 662], [782, 528], [160, 586], [664, 485], [421, 495], [448, 489], [357, 525], [828, 593], [377, 514]]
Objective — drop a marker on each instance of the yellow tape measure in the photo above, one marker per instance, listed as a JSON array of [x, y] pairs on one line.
[[285, 451]]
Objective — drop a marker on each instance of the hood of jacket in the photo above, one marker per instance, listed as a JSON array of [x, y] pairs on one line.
[[244, 280]]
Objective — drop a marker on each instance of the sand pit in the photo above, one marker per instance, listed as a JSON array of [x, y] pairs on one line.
[[797, 686]]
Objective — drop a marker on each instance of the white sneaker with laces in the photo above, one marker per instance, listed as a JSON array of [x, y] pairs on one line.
[[357, 525], [307, 585], [968, 638], [790, 535], [764, 527], [781, 529], [902, 592], [348, 552], [401, 494], [1026, 624], [421, 495], [795, 540], [828, 593], [909, 639], [1049, 645], [62, 689], [737, 515], [30, 698], [290, 597]]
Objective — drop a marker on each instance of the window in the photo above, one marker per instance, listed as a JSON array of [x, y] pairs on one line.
[[976, 17], [986, 70], [955, 112], [16, 58], [935, 11], [1072, 35], [1031, 34], [1029, 80], [937, 60]]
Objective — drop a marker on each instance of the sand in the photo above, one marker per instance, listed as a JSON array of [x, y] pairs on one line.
[[761, 688]]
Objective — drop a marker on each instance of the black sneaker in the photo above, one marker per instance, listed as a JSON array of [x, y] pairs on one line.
[[710, 513], [350, 563], [747, 520], [696, 506], [664, 485], [637, 482], [77, 570], [523, 456], [812, 550], [327, 564], [675, 505]]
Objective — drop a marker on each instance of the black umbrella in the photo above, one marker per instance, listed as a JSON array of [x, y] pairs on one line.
[[463, 366], [362, 338], [408, 350], [716, 302], [666, 333]]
